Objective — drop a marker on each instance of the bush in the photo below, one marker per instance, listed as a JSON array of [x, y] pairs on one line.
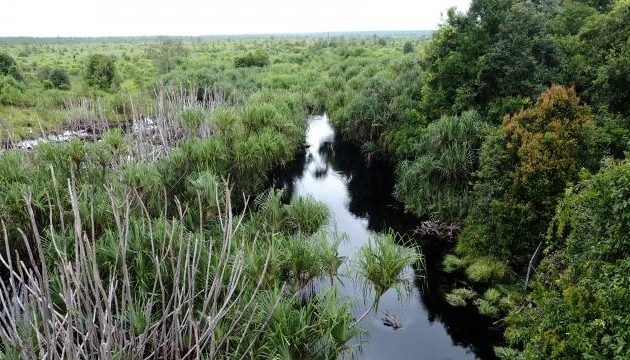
[[257, 58], [486, 270], [408, 47], [549, 143], [100, 71], [382, 260], [55, 78], [192, 118], [305, 215], [8, 67], [59, 79], [459, 297], [11, 91]]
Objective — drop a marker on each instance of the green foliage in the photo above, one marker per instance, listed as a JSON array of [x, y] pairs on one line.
[[408, 47], [319, 330], [11, 91], [167, 54], [243, 115], [305, 215], [603, 59], [452, 263], [54, 78], [59, 79], [8, 66], [523, 170], [381, 262], [486, 270], [581, 294], [459, 297], [380, 108], [257, 58], [100, 71], [192, 118], [178, 250], [436, 182], [506, 353], [496, 49], [550, 143], [486, 308], [571, 17]]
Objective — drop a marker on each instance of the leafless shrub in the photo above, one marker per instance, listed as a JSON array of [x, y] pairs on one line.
[[438, 229]]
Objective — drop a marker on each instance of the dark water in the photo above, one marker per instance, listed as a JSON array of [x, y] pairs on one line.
[[361, 205]]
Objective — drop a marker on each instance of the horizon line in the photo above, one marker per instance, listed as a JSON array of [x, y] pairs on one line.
[[300, 33]]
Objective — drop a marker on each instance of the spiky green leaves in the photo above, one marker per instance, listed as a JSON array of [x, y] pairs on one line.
[[381, 263], [437, 182]]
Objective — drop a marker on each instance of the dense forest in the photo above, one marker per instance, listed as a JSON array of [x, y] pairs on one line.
[[153, 231]]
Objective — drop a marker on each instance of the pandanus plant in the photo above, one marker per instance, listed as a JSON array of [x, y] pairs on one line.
[[381, 263]]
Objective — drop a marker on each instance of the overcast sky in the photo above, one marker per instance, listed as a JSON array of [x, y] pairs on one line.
[[209, 17]]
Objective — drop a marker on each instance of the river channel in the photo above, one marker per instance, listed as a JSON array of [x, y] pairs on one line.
[[359, 197]]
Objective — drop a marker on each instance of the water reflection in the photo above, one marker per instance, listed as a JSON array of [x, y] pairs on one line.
[[361, 205]]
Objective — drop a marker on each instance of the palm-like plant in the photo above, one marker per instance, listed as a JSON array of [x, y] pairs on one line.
[[381, 262], [437, 181]]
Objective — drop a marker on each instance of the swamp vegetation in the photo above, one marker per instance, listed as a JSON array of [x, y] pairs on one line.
[[159, 234]]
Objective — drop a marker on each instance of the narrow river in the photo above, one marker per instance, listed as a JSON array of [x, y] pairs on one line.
[[361, 205]]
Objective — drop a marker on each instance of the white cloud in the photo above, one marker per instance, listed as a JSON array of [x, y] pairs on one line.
[[198, 17]]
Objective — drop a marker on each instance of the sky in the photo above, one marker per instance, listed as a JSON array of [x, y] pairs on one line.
[[51, 18]]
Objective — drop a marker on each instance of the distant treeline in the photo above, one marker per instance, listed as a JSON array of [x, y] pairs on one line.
[[132, 39]]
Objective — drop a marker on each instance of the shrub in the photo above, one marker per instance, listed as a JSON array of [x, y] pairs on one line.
[[167, 54], [8, 67], [452, 263], [59, 79], [486, 308], [550, 144], [381, 261], [11, 91], [100, 71], [436, 182], [486, 270], [460, 296], [523, 169], [408, 47], [257, 58], [305, 215], [192, 118]]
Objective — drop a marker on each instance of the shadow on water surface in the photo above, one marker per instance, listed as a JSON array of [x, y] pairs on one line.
[[361, 203]]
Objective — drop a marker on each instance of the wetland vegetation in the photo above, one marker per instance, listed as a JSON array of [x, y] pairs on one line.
[[175, 197]]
